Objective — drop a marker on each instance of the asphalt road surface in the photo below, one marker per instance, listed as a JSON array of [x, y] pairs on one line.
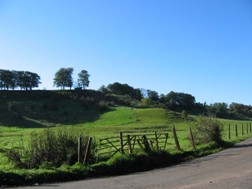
[[229, 169]]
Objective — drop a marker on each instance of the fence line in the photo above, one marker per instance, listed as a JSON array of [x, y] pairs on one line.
[[133, 141]]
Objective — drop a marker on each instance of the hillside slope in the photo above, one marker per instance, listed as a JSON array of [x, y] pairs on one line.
[[45, 108]]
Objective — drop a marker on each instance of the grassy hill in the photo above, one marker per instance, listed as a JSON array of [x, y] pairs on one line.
[[23, 112], [39, 109], [36, 109], [90, 113]]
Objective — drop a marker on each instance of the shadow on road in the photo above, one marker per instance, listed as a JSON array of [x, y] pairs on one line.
[[48, 186], [243, 146]]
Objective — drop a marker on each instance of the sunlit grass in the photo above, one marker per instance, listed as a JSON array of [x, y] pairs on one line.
[[122, 119]]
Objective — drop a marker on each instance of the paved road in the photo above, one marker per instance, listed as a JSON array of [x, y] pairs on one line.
[[229, 169]]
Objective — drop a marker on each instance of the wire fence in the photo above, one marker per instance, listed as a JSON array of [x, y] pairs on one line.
[[136, 140]]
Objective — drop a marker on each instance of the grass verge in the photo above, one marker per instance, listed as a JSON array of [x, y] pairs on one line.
[[117, 165]]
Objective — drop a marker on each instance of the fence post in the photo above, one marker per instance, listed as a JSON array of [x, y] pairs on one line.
[[146, 143], [236, 130], [88, 149], [176, 138], [121, 142], [247, 127], [242, 129], [98, 151], [250, 127], [129, 144], [166, 138], [79, 148], [192, 138], [156, 138], [229, 131]]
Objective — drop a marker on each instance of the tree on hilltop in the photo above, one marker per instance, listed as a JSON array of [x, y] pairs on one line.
[[83, 79], [153, 95], [23, 79], [63, 78], [6, 79], [182, 100], [122, 89], [27, 80]]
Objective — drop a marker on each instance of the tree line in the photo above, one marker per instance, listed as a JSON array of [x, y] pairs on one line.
[[177, 101], [23, 79], [150, 97], [26, 80]]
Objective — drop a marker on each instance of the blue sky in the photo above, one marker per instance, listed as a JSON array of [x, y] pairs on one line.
[[200, 47]]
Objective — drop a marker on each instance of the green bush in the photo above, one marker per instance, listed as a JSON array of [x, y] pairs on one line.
[[184, 115], [103, 106], [208, 130], [50, 148]]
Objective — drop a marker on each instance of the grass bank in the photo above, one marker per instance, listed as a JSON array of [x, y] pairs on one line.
[[117, 165]]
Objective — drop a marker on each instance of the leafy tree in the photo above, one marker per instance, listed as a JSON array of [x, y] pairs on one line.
[[137, 94], [181, 100], [162, 98], [1, 79], [14, 80], [27, 80], [171, 99], [83, 80], [240, 110], [103, 89], [218, 109], [6, 79], [23, 79], [153, 95], [34, 80], [63, 78], [118, 88], [124, 89]]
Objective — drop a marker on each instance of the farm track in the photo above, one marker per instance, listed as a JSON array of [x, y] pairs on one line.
[[229, 169]]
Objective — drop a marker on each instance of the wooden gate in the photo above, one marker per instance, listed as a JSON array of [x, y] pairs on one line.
[[132, 142]]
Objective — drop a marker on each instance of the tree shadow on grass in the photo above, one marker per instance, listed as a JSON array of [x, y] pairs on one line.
[[13, 119], [38, 109]]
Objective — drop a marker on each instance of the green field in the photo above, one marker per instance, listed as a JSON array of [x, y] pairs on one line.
[[117, 120], [25, 113]]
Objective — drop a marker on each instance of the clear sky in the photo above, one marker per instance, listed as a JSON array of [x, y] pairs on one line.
[[200, 47]]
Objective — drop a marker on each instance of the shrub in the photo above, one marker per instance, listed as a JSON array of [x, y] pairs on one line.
[[103, 106], [208, 130], [184, 115], [147, 102], [50, 148]]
